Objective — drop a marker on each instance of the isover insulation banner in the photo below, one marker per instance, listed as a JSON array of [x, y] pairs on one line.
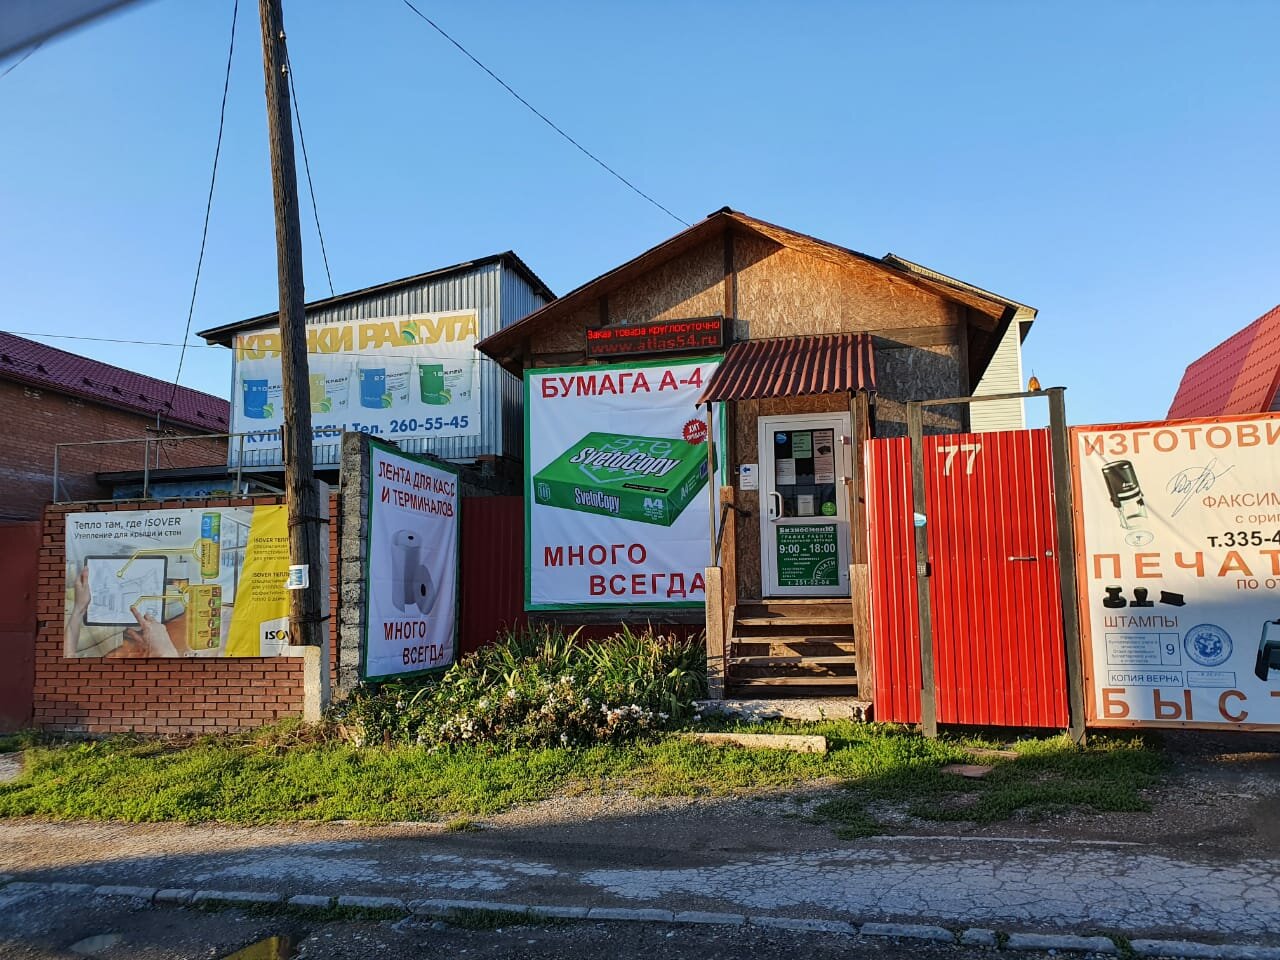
[[177, 583], [412, 568], [1180, 569], [616, 500], [400, 378]]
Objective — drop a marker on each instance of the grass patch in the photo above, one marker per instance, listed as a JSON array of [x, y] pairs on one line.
[[462, 825], [288, 911], [23, 739], [1048, 775], [286, 774], [481, 919]]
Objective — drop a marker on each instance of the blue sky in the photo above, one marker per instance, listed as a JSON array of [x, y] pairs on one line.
[[1112, 164]]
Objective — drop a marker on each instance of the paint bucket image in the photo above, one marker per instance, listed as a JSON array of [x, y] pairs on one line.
[[431, 383], [260, 392], [329, 388], [445, 381], [383, 384], [210, 545]]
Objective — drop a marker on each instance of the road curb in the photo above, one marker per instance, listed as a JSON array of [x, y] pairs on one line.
[[446, 909]]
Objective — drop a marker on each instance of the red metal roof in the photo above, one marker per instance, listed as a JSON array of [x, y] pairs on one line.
[[1239, 375], [794, 367], [39, 365]]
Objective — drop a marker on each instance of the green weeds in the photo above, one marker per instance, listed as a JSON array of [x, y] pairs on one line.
[[284, 774], [539, 688]]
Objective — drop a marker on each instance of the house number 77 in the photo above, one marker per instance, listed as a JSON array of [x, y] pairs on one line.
[[970, 450]]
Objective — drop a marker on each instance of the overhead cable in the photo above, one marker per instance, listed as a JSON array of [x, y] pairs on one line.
[[306, 165], [543, 117], [21, 60], [208, 207]]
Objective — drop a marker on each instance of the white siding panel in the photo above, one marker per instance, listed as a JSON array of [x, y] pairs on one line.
[[1003, 375]]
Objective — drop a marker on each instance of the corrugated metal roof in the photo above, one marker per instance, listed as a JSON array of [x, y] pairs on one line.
[[226, 333], [41, 365], [794, 367], [1239, 375]]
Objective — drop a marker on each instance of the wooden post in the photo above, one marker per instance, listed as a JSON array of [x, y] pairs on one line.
[[1063, 513], [859, 569], [715, 633], [306, 520], [711, 478], [729, 557], [928, 695]]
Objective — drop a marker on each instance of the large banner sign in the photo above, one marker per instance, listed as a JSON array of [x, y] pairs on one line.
[[177, 583], [616, 502], [1180, 568], [396, 377], [411, 594]]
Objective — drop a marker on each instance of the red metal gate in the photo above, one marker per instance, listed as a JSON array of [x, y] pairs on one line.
[[994, 588], [492, 574], [19, 561]]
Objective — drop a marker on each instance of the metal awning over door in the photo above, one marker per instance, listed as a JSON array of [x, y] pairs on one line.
[[794, 367]]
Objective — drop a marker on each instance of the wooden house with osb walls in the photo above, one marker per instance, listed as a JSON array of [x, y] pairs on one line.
[[693, 431]]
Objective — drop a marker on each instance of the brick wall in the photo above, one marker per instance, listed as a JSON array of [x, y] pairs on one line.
[[163, 695], [35, 419]]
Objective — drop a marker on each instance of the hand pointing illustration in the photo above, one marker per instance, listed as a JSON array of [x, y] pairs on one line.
[[150, 635]]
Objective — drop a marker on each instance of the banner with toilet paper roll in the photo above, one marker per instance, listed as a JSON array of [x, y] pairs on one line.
[[411, 572], [406, 377]]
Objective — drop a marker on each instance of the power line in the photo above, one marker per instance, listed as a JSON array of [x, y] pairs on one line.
[[143, 343], [21, 60], [306, 165], [208, 206], [541, 116], [203, 346]]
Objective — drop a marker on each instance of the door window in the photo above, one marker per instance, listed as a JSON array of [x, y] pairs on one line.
[[804, 472]]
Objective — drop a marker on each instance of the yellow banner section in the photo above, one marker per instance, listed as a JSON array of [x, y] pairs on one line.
[[262, 604]]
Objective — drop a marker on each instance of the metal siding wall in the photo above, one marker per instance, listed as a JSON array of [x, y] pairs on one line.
[[500, 298], [518, 301], [999, 657], [492, 574]]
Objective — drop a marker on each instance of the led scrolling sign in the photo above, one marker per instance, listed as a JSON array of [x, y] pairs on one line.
[[667, 336]]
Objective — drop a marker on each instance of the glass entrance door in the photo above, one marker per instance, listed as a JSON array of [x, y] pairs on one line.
[[804, 505]]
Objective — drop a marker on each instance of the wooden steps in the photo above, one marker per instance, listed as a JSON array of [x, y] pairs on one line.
[[789, 661], [844, 682], [792, 644]]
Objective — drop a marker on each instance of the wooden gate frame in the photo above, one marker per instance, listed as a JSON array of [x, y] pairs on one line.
[[1064, 516]]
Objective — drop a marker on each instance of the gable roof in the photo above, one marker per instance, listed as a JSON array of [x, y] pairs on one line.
[[1025, 314], [226, 333], [48, 368], [1239, 375], [506, 345]]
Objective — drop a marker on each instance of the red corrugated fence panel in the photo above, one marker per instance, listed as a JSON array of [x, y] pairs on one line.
[[492, 577], [995, 597], [895, 632]]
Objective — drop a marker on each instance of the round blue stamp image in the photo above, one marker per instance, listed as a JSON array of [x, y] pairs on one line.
[[1208, 645]]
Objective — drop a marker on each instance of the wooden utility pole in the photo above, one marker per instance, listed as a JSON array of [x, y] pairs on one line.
[[306, 519]]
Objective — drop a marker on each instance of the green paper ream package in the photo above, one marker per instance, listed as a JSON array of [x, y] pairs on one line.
[[648, 479]]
